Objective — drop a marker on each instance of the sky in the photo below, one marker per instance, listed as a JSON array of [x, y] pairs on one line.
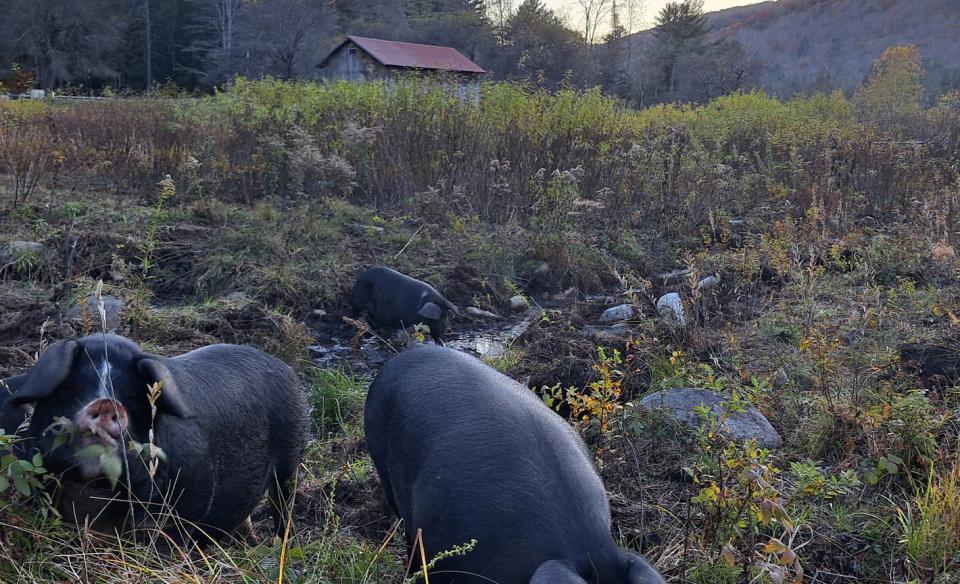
[[568, 8]]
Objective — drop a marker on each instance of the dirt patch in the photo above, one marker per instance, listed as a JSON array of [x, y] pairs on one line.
[[936, 365], [349, 490], [555, 352], [466, 286], [176, 330], [27, 318]]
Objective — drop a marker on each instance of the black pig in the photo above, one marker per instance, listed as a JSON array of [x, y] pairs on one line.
[[393, 300], [230, 420], [465, 452]]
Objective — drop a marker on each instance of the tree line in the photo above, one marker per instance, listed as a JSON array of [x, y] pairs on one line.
[[196, 45]]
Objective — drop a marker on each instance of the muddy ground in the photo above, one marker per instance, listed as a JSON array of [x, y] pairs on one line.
[[241, 276]]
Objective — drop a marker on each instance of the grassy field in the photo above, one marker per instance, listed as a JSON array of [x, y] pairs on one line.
[[244, 217]]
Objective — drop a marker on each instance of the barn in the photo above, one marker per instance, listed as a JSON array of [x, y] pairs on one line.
[[366, 59]]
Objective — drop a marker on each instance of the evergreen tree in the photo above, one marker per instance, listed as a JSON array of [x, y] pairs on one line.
[[680, 31], [613, 64]]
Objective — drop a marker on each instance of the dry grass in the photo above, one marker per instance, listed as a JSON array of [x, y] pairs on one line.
[[834, 248]]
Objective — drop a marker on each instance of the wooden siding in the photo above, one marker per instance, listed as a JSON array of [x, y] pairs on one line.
[[351, 63]]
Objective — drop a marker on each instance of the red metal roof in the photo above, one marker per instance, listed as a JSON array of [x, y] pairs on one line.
[[396, 54]]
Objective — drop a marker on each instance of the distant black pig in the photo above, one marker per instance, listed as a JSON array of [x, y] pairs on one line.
[[467, 453], [393, 300], [230, 420]]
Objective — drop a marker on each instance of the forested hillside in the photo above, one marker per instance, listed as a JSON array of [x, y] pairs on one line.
[[791, 46]]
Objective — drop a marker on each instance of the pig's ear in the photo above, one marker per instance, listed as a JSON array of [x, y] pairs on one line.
[[52, 369], [171, 400], [431, 311]]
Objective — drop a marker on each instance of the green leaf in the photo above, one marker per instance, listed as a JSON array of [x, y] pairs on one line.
[[21, 485], [112, 467], [37, 459], [59, 440], [90, 452], [4, 484]]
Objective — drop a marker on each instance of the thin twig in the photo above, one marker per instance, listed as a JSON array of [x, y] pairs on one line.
[[409, 241]]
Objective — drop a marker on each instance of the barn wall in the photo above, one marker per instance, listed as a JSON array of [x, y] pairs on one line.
[[355, 66]]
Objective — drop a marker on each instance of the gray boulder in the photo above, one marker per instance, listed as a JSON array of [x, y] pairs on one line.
[[239, 298], [621, 312], [12, 250], [480, 313], [112, 308], [670, 307], [711, 281], [617, 332], [519, 302], [679, 404]]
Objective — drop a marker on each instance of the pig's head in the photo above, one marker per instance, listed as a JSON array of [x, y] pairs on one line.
[[438, 312], [100, 385]]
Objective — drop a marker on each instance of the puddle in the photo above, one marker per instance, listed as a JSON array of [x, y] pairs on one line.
[[486, 340], [492, 341]]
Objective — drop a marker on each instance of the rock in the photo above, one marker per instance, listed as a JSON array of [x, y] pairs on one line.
[[541, 269], [568, 294], [14, 249], [600, 298], [670, 307], [240, 297], [25, 246], [113, 311], [618, 332], [519, 302], [319, 312], [479, 313], [369, 228], [674, 277], [709, 282], [620, 312], [679, 404]]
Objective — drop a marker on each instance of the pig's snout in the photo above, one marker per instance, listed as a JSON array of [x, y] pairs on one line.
[[103, 417]]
